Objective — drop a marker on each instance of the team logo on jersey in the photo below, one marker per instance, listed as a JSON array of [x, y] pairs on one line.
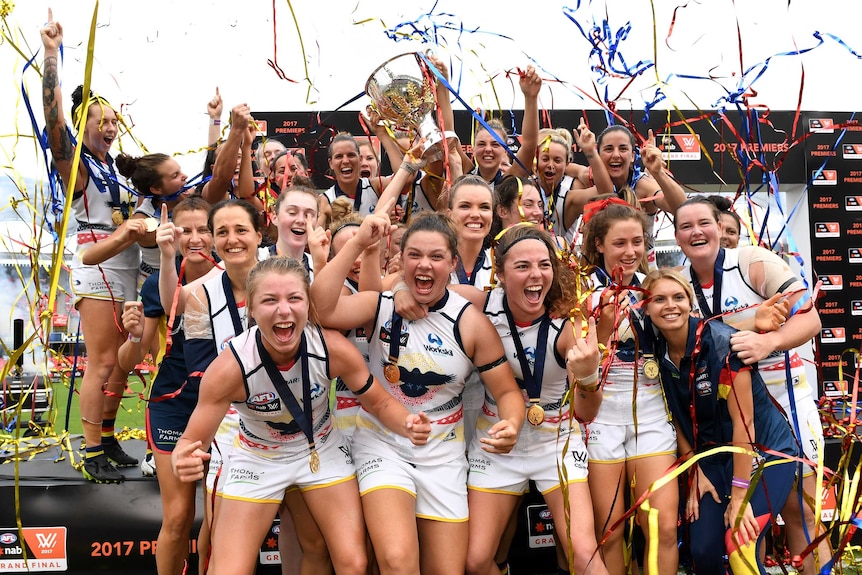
[[264, 402], [827, 230], [730, 302], [435, 345], [386, 330]]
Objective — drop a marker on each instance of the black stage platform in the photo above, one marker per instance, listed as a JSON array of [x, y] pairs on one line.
[[71, 525]]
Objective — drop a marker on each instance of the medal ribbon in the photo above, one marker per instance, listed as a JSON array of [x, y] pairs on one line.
[[231, 305], [395, 339], [707, 311], [106, 181], [357, 198], [532, 378], [298, 413], [463, 279]]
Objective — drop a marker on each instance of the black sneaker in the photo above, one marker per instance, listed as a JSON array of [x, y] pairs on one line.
[[100, 470], [116, 454]]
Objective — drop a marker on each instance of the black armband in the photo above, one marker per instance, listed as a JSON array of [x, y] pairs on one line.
[[365, 387], [492, 365]]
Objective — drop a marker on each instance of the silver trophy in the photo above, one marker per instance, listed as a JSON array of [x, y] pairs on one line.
[[402, 92]]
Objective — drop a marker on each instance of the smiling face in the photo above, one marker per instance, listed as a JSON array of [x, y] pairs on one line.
[[551, 165], [488, 154], [270, 151], [279, 304], [669, 306], [527, 275], [532, 206], [291, 220], [472, 211], [196, 242], [729, 231], [236, 240], [172, 178], [339, 241], [284, 169], [697, 232], [427, 262], [622, 247], [344, 163], [617, 153], [368, 164], [101, 129]]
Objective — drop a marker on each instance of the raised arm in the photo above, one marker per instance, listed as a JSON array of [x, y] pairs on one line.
[[582, 364], [530, 84], [52, 101], [224, 168], [586, 140], [214, 110], [128, 233], [672, 194]]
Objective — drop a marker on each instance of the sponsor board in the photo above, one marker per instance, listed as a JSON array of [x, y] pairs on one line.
[[679, 146], [851, 151], [45, 549], [824, 177], [540, 526], [831, 282], [827, 230], [821, 125], [833, 335]]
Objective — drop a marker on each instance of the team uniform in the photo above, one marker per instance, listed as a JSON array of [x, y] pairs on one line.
[[414, 200], [498, 177], [172, 396], [536, 455], [272, 251], [346, 403], [364, 201], [783, 373], [479, 276], [115, 279], [633, 419], [700, 410], [433, 367], [150, 256], [556, 208], [272, 451], [205, 339]]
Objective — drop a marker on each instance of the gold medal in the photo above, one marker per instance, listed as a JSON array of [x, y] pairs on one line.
[[152, 224], [117, 217], [651, 368], [535, 415], [314, 461], [391, 373]]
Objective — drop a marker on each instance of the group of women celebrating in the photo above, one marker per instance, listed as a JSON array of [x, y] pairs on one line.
[[392, 399]]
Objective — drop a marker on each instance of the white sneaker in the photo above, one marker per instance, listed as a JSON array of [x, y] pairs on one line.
[[148, 465]]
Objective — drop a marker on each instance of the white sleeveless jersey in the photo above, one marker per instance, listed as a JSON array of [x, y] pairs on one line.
[[93, 211], [483, 274], [421, 202], [346, 403], [270, 251], [265, 423], [738, 293], [367, 197], [625, 401], [558, 214], [220, 319], [555, 382], [433, 368]]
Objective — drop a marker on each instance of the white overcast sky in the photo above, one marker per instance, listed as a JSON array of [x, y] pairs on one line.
[[163, 59]]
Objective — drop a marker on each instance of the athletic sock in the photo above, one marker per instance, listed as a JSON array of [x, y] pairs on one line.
[[92, 452], [108, 431]]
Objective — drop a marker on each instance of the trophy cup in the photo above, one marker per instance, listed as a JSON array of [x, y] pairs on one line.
[[403, 93]]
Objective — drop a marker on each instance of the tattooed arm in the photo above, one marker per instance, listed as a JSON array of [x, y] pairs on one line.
[[52, 100]]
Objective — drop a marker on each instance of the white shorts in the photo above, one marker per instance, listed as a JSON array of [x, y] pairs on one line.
[[252, 477], [223, 444], [511, 473], [608, 443], [440, 490], [810, 431], [104, 283]]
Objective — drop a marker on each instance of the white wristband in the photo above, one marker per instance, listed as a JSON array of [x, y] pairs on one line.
[[134, 339]]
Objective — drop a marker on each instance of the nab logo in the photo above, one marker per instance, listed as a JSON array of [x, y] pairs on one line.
[[821, 125], [435, 339], [46, 540], [824, 178], [8, 538], [856, 307], [854, 255], [853, 203], [833, 335], [851, 151], [831, 282], [827, 230]]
